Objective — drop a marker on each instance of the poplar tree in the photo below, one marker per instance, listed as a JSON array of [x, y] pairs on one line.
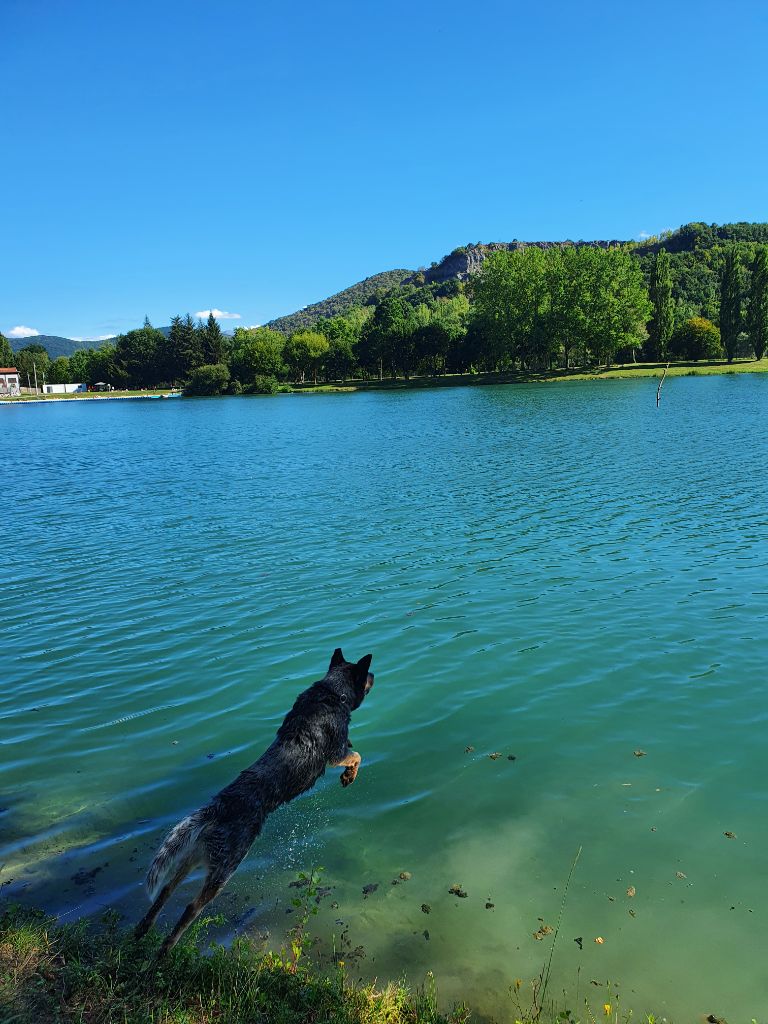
[[663, 321], [758, 303], [730, 303]]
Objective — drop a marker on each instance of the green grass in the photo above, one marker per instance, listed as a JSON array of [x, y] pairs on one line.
[[625, 371], [78, 973], [86, 973], [90, 395]]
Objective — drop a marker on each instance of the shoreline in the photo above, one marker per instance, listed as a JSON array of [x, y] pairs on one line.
[[625, 371], [57, 972]]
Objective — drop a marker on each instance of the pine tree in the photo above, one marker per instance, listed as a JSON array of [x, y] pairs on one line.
[[758, 303], [173, 351], [185, 351], [662, 325], [730, 303], [212, 341]]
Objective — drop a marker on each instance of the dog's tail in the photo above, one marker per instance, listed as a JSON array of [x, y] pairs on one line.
[[180, 852]]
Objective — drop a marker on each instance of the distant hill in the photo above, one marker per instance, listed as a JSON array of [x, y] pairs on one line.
[[52, 343], [357, 295]]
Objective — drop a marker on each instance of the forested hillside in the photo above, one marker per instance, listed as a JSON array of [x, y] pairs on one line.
[[357, 295], [52, 343]]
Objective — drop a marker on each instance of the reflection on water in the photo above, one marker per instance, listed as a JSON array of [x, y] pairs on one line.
[[560, 574]]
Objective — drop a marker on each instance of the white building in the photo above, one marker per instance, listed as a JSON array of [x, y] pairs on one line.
[[63, 389], [9, 380]]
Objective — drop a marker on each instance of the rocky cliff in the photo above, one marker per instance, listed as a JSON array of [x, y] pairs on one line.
[[468, 259]]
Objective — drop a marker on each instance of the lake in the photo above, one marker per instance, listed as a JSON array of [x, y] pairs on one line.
[[561, 574]]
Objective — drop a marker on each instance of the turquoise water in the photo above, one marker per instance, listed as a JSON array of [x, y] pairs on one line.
[[560, 573]]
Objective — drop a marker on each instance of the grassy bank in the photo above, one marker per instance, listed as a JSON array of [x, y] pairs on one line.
[[97, 974], [624, 371], [91, 396], [80, 973]]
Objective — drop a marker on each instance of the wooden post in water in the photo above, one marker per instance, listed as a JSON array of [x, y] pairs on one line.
[[658, 390]]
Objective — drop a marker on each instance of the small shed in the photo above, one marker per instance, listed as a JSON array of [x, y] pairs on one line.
[[64, 389], [9, 381]]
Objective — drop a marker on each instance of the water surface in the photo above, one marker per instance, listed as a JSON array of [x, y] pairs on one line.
[[561, 573]]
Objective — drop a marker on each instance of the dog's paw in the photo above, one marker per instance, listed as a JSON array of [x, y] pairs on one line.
[[348, 776]]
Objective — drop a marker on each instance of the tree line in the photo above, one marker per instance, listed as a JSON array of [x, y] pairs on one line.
[[533, 310]]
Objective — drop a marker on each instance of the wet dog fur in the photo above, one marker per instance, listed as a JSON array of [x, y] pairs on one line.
[[313, 736]]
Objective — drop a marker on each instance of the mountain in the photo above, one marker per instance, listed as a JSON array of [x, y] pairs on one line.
[[357, 295], [52, 343], [695, 248]]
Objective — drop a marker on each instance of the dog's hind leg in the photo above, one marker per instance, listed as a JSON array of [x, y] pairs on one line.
[[151, 915], [212, 886]]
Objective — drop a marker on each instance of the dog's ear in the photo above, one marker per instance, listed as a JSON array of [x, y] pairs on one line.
[[362, 667], [336, 659]]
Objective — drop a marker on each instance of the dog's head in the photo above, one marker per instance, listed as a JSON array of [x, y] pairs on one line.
[[354, 676]]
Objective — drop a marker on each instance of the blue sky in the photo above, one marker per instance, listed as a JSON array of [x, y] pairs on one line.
[[178, 156]]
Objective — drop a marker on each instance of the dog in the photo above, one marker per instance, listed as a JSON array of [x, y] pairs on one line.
[[313, 736]]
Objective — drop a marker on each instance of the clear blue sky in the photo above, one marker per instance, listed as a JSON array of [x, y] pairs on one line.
[[171, 156]]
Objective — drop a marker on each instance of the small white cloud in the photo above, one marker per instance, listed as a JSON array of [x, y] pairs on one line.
[[23, 332], [252, 327], [218, 313], [100, 337], [644, 234]]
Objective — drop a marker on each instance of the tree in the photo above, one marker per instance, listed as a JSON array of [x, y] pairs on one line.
[[730, 303], [620, 306], [80, 366], [257, 351], [183, 351], [32, 362], [534, 303], [103, 364], [503, 307], [6, 352], [207, 380], [388, 337], [662, 322], [138, 357], [696, 338], [343, 334], [304, 352], [212, 341], [59, 371], [757, 313]]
